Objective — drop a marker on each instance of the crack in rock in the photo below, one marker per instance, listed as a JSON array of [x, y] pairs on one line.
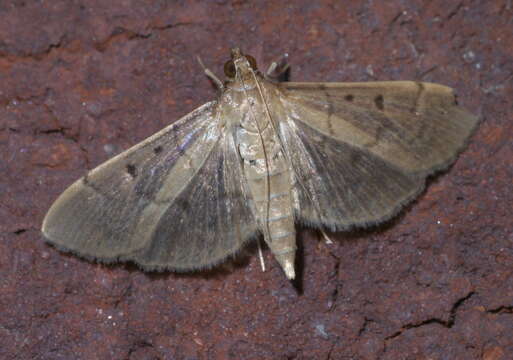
[[445, 323]]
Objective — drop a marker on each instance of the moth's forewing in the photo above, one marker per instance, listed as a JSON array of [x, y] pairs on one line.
[[361, 151], [415, 126], [121, 209]]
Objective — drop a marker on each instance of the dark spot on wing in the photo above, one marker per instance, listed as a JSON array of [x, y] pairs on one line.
[[349, 97], [182, 204], [157, 150], [131, 170], [379, 102]]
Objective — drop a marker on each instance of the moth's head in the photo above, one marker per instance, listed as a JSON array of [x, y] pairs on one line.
[[240, 66]]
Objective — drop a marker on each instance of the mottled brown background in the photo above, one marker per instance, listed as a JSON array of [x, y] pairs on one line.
[[82, 80]]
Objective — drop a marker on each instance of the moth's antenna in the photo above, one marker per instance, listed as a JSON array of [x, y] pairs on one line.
[[210, 74]]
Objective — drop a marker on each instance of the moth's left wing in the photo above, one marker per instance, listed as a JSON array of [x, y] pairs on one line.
[[360, 151], [176, 200]]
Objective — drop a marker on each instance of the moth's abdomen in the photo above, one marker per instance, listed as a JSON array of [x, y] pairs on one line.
[[270, 185], [273, 204]]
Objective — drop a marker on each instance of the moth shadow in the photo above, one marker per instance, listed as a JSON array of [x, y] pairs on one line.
[[299, 265], [284, 76]]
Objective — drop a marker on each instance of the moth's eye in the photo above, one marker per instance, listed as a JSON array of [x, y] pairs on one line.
[[229, 69], [252, 61]]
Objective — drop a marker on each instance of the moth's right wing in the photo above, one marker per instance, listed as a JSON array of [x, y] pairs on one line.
[[361, 151], [175, 201]]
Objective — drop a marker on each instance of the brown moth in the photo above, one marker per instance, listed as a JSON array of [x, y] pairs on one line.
[[262, 157]]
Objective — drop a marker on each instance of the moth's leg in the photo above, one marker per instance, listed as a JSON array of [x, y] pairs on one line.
[[261, 256], [326, 237], [278, 69], [211, 75]]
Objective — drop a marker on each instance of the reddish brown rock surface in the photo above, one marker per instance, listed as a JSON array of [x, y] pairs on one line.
[[82, 80]]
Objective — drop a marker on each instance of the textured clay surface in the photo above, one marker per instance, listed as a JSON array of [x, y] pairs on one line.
[[82, 80]]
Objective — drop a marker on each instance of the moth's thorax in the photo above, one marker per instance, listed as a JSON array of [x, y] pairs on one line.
[[257, 134], [247, 105]]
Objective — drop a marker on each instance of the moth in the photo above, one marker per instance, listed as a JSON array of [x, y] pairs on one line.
[[262, 157]]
